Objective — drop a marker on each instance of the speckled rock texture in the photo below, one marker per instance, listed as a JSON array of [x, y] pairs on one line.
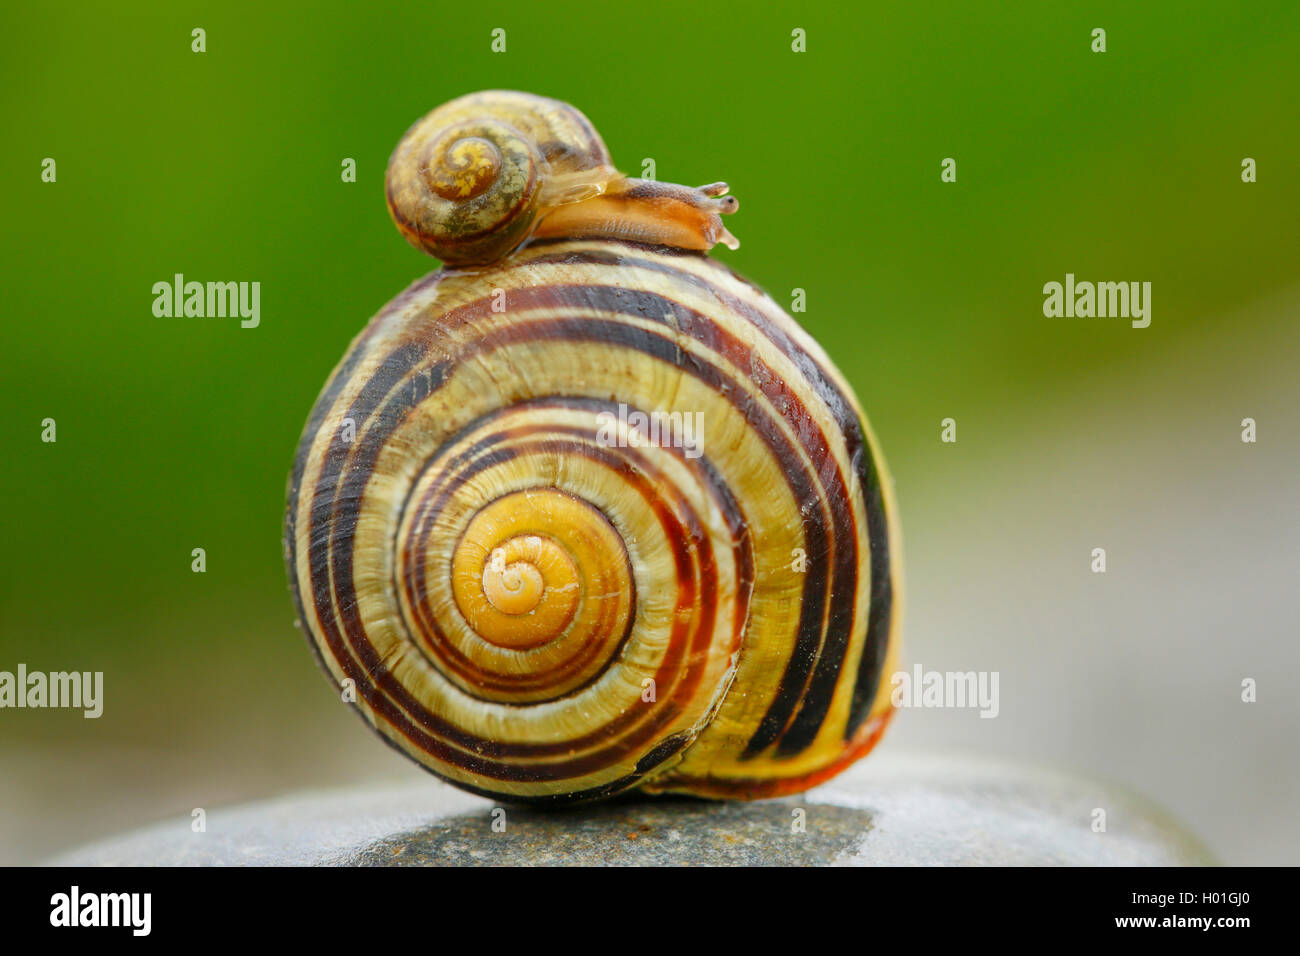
[[887, 810]]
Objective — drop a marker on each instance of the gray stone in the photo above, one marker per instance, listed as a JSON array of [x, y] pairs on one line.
[[888, 809]]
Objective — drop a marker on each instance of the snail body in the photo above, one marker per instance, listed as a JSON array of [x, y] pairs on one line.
[[501, 535]]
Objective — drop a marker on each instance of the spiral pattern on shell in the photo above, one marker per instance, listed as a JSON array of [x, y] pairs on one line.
[[537, 599]]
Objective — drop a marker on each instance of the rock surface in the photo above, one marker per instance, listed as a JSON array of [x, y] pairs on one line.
[[890, 810]]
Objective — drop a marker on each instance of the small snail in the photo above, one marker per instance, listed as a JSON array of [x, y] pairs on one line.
[[584, 510]]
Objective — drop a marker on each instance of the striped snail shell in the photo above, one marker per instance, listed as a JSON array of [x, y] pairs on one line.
[[593, 513]]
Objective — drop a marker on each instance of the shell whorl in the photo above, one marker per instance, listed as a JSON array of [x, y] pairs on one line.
[[536, 602]]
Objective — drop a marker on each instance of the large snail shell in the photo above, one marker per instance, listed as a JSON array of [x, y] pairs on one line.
[[538, 600]]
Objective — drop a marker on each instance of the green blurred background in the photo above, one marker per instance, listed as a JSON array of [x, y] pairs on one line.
[[1072, 433]]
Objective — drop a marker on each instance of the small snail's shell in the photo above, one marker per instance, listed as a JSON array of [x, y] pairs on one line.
[[468, 182], [539, 603]]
